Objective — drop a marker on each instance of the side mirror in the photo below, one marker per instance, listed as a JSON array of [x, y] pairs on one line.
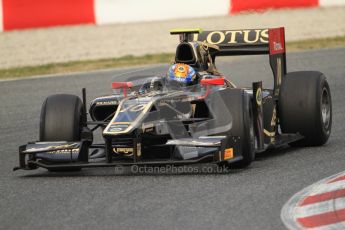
[[122, 85], [212, 81], [118, 85]]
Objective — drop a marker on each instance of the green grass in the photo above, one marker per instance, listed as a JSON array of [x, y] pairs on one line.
[[77, 66], [126, 61], [316, 43]]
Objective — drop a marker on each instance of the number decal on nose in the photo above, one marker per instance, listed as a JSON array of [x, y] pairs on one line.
[[134, 108]]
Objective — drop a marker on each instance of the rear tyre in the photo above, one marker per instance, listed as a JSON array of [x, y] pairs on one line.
[[242, 126], [61, 119], [305, 107]]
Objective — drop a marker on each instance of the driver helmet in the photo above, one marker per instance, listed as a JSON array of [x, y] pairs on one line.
[[182, 74]]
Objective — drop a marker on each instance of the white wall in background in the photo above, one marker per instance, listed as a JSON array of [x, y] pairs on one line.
[[331, 2], [114, 11]]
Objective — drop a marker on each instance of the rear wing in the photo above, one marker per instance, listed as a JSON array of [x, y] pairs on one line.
[[245, 42], [250, 42]]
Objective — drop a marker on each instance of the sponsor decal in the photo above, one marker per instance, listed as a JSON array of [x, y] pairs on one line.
[[279, 76], [147, 126], [138, 149], [125, 151], [274, 117], [106, 103], [134, 108], [277, 46], [64, 151], [148, 130], [268, 133], [258, 96], [118, 127], [225, 37], [54, 148], [228, 153], [277, 41]]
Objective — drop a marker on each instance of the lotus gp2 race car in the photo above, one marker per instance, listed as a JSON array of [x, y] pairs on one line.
[[192, 114]]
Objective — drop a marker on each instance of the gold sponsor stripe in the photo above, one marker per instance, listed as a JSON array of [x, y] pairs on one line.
[[269, 134]]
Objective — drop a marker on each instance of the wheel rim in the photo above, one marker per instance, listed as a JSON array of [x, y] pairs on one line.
[[325, 108]]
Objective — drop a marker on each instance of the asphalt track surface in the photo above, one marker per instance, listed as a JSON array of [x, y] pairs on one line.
[[103, 199]]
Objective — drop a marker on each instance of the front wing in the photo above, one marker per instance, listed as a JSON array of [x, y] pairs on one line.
[[69, 155]]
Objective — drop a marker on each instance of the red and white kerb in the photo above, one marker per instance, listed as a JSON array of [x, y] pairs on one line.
[[319, 206]]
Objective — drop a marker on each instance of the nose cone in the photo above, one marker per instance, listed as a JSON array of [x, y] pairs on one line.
[[128, 116]]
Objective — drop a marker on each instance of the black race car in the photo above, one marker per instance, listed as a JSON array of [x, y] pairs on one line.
[[157, 122]]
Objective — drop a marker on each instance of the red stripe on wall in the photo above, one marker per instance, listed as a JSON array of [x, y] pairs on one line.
[[22, 14], [322, 219], [244, 5]]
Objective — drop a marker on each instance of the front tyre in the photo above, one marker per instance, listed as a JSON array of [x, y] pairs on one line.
[[61, 120]]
